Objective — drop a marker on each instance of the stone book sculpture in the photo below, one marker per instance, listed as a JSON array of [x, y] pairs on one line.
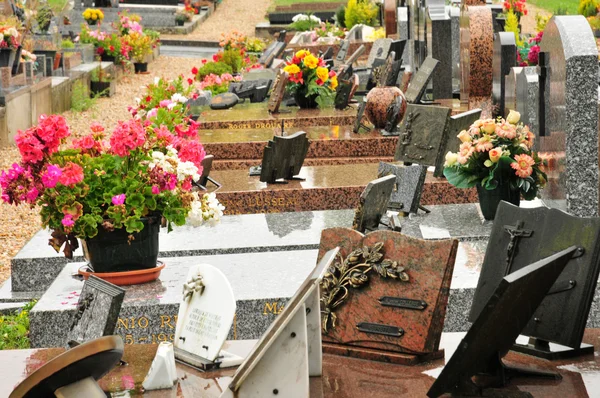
[[373, 203], [523, 236], [205, 317], [97, 311], [507, 311], [423, 135], [289, 352], [456, 124], [282, 158], [420, 80], [406, 195], [386, 295]]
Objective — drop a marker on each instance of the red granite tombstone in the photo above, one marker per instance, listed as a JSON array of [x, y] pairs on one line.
[[387, 319]]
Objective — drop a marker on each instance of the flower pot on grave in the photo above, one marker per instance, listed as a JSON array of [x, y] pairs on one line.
[[305, 101], [107, 58], [115, 251], [490, 199], [91, 22], [140, 67], [7, 56], [378, 101], [101, 89], [179, 22]]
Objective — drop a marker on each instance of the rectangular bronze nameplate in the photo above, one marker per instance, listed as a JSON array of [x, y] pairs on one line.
[[376, 328], [400, 302]]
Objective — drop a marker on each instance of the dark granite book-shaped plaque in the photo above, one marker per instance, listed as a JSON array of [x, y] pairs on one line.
[[255, 90], [457, 123], [507, 311], [97, 310], [397, 47], [278, 91], [392, 306], [344, 47], [522, 236], [283, 157], [406, 196], [386, 71], [423, 135], [342, 94], [274, 50], [373, 203], [419, 82]]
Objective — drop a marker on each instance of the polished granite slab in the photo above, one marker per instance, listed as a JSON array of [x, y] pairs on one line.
[[342, 377], [324, 188], [248, 116]]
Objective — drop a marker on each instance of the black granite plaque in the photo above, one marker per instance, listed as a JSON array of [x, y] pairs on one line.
[[358, 124], [342, 94], [406, 195], [510, 306], [457, 123], [373, 203], [386, 71], [283, 157], [224, 101], [274, 50], [97, 311], [397, 47], [419, 82], [256, 90], [521, 236], [423, 135]]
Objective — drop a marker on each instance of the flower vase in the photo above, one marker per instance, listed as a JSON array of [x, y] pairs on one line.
[[306, 101], [140, 67], [378, 101], [113, 251], [489, 199], [91, 22], [6, 56]]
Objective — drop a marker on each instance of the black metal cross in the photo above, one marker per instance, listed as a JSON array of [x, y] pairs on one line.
[[516, 233]]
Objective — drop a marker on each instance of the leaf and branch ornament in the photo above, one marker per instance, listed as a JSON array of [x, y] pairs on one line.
[[353, 271]]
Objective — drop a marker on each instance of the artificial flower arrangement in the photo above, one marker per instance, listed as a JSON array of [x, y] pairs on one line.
[[110, 183], [310, 80], [93, 16], [495, 152], [10, 34]]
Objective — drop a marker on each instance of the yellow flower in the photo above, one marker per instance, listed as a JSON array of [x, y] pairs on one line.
[[333, 82], [323, 73], [292, 69], [94, 17], [513, 117], [311, 61], [301, 54]]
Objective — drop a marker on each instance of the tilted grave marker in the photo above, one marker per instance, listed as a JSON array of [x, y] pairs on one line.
[[373, 203], [406, 196]]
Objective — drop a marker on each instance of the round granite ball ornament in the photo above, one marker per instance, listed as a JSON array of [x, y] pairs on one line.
[[224, 101], [379, 100]]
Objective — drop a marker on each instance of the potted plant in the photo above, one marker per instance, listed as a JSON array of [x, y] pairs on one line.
[[254, 46], [496, 157], [180, 19], [102, 83], [9, 42], [43, 18], [309, 81], [141, 47], [111, 193], [93, 16]]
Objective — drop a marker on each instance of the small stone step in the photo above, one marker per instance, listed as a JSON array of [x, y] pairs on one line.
[[9, 296], [11, 308]]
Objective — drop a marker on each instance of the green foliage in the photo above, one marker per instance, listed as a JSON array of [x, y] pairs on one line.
[[234, 59], [588, 8], [43, 17], [216, 68], [99, 75], [14, 329], [152, 34], [67, 43], [340, 16], [594, 22], [361, 12], [561, 10], [80, 97], [512, 25]]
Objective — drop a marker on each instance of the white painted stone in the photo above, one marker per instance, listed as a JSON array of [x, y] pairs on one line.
[[163, 373]]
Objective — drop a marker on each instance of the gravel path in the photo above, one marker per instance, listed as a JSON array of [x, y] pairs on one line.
[[240, 15]]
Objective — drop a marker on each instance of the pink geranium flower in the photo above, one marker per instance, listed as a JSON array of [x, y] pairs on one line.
[[72, 174], [118, 200], [51, 176]]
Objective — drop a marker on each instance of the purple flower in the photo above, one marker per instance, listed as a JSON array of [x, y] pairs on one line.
[[118, 199]]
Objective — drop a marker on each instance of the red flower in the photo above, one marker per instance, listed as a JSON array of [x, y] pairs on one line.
[[321, 62], [148, 98], [194, 71], [190, 81], [295, 60], [296, 78], [111, 48], [320, 82], [332, 73], [204, 61]]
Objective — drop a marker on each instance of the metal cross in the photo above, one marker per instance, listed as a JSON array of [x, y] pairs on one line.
[[516, 233]]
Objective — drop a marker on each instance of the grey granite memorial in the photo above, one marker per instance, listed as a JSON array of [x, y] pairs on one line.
[[440, 39], [343, 52], [510, 89], [379, 50], [527, 101], [255, 90], [457, 123], [283, 158], [406, 195], [373, 203], [505, 57], [571, 114], [97, 311], [403, 34], [274, 50], [455, 26], [420, 80]]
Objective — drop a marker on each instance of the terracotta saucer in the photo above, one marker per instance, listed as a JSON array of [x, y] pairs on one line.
[[125, 278]]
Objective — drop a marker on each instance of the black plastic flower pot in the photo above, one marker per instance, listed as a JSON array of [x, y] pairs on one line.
[[140, 67]]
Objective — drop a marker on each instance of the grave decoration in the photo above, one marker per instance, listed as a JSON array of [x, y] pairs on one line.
[[406, 195], [522, 236], [256, 90], [439, 40], [423, 135], [510, 306], [224, 101], [373, 203], [282, 158], [162, 373], [274, 50], [92, 360], [97, 311], [278, 91], [310, 82], [421, 79], [457, 123], [205, 317], [342, 95], [98, 199], [289, 352], [496, 156], [386, 106], [385, 296]]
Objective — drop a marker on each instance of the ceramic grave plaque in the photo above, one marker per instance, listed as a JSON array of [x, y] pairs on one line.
[[423, 135], [393, 309], [283, 157], [290, 351], [456, 124], [420, 80], [204, 319], [373, 203], [278, 91], [505, 57], [406, 195], [97, 310], [522, 236]]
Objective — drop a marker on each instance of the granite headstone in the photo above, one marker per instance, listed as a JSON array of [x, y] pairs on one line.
[[420, 80], [373, 203], [406, 195], [505, 57]]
